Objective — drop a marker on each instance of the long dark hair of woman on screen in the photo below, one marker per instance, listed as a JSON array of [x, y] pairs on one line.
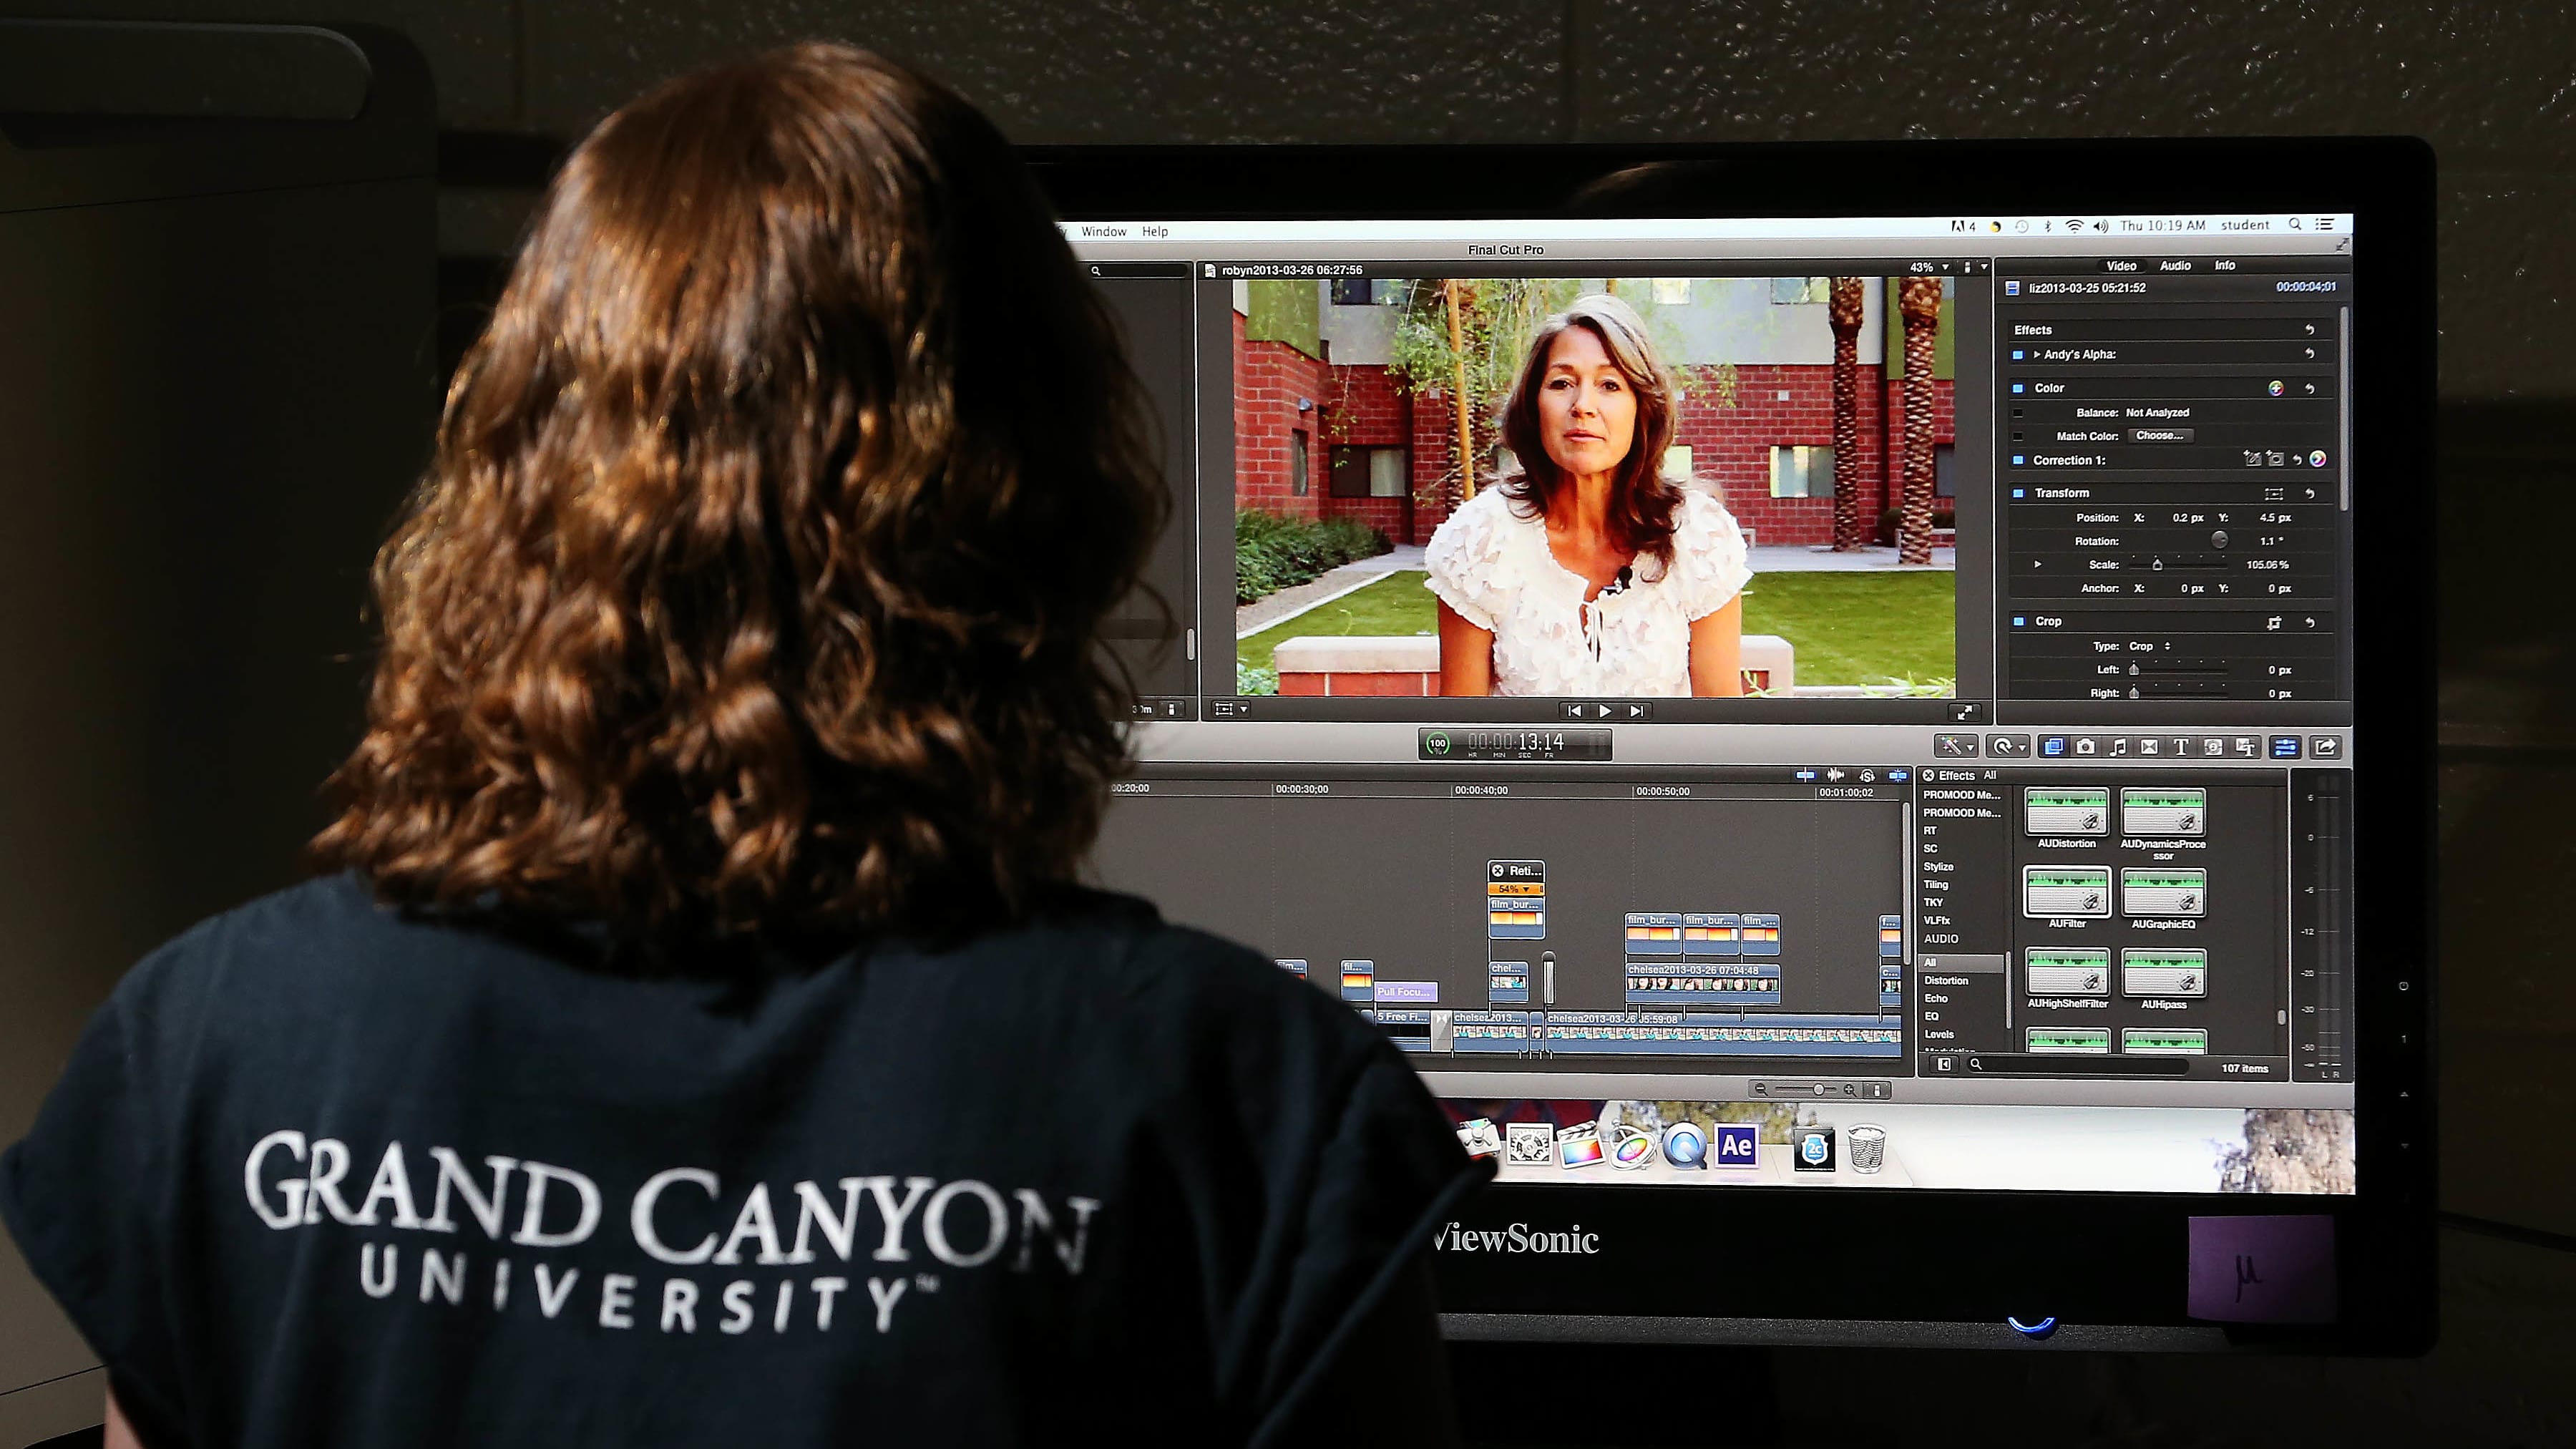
[[1587, 572]]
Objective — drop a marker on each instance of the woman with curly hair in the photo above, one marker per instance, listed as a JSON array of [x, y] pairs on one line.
[[699, 1035]]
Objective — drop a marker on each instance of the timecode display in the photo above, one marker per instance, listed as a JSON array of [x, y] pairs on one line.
[[1514, 744]]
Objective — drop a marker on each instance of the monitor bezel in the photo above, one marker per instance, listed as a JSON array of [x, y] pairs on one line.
[[1760, 1265]]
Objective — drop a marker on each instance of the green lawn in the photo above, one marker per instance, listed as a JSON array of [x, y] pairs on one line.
[[1861, 628], [1396, 604], [1848, 628]]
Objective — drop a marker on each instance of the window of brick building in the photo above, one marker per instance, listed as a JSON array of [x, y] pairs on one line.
[[1672, 291], [1297, 464], [1808, 472], [1371, 472], [1792, 291], [1802, 472], [1677, 462], [1368, 291]]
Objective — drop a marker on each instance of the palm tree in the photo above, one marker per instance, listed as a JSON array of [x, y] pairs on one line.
[[1844, 309], [1919, 299], [1466, 407]]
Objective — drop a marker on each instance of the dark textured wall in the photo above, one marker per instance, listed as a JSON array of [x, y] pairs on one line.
[[2492, 86]]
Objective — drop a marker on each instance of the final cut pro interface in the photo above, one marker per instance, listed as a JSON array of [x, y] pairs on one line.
[[1992, 831]]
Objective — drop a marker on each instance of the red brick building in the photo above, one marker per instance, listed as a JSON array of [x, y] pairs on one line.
[[1324, 428]]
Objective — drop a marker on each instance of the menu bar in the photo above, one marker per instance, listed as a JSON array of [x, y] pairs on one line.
[[2211, 225]]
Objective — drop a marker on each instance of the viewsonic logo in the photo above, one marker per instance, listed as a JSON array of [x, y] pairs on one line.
[[1518, 1238]]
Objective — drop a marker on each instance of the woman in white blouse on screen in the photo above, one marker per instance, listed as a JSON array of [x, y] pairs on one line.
[[1587, 573]]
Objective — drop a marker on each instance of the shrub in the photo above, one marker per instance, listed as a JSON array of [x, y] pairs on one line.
[[1350, 539], [1256, 575], [1273, 553]]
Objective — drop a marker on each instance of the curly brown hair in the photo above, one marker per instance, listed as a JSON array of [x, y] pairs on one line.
[[753, 587], [1642, 500]]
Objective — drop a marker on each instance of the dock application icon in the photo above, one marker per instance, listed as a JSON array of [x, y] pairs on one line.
[[1529, 1144]]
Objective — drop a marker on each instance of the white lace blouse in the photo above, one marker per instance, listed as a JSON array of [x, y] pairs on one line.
[[1492, 566]]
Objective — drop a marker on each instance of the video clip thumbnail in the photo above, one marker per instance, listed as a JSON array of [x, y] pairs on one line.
[[1410, 452]]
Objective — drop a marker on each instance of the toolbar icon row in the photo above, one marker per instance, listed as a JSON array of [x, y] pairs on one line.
[[2160, 747]]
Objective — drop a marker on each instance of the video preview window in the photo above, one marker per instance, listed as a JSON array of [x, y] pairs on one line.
[[1779, 449]]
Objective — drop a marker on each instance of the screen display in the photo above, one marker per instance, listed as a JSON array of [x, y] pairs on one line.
[[1855, 703]]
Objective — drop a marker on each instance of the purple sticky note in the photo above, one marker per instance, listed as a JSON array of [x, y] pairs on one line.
[[2277, 1269], [1399, 991]]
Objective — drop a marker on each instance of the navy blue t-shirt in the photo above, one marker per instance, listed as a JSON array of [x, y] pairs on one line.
[[324, 1173]]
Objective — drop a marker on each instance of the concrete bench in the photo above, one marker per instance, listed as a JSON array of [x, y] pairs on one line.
[[1359, 664], [1408, 665], [1770, 665]]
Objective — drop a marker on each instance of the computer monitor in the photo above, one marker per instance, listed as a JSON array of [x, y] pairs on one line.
[[1929, 907]]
